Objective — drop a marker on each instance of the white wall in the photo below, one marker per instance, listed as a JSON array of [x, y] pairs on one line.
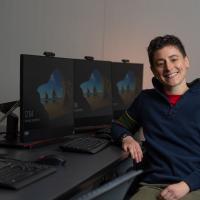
[[105, 29]]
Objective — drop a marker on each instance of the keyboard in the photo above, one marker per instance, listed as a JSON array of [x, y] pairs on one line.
[[106, 130], [15, 174], [88, 144]]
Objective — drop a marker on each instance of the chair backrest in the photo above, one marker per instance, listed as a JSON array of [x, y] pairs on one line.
[[115, 189]]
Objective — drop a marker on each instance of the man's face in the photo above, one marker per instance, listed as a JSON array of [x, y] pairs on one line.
[[170, 67]]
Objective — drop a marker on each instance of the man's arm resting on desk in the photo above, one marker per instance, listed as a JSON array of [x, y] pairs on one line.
[[133, 147], [129, 144], [122, 135]]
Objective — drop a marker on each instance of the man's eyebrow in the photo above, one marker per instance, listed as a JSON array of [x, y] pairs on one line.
[[159, 59], [162, 59], [174, 55]]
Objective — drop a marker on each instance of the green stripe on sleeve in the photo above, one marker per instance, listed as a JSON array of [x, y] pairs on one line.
[[128, 122]]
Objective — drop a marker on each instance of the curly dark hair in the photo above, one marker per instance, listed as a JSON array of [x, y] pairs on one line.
[[162, 41]]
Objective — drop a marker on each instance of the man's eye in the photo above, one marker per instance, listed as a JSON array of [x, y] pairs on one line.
[[160, 64], [174, 60]]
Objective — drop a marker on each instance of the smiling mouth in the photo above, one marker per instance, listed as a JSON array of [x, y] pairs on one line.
[[171, 75]]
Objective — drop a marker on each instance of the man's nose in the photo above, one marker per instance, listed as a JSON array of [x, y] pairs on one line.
[[168, 66]]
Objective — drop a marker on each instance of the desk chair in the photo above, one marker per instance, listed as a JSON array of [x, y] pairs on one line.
[[115, 189]]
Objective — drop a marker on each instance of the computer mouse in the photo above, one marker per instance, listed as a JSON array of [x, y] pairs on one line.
[[51, 159]]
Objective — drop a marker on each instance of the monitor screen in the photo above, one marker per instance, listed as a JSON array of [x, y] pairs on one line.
[[46, 97], [92, 93], [126, 84]]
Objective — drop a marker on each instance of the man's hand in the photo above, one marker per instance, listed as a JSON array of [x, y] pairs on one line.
[[132, 146], [174, 191]]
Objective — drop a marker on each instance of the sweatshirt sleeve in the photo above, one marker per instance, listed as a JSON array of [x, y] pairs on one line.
[[128, 123], [193, 180]]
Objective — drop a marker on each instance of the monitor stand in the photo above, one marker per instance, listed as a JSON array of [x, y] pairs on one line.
[[11, 133], [10, 137]]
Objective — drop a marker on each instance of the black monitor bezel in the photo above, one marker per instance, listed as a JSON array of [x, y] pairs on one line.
[[42, 134], [137, 68]]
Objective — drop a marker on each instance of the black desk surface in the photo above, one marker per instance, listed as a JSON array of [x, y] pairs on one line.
[[79, 171]]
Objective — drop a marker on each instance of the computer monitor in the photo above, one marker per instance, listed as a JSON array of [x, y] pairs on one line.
[[126, 84], [46, 97], [92, 94]]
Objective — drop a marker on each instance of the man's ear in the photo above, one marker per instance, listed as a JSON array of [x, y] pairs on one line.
[[187, 62], [152, 69], [154, 72]]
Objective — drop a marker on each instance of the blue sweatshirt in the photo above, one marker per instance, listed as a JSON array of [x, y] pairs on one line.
[[172, 134]]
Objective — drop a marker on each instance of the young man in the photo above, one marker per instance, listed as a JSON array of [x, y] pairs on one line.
[[170, 117]]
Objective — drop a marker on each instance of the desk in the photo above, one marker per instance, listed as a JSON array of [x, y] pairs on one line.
[[80, 171]]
